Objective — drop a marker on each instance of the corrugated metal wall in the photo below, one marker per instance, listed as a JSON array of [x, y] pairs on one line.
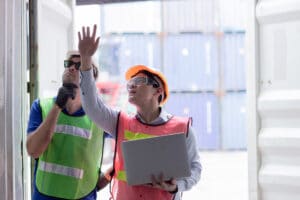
[[233, 61], [55, 34], [191, 62], [276, 127], [233, 121], [204, 15], [13, 65], [204, 110]]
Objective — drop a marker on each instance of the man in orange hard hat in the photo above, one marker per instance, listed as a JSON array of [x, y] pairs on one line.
[[147, 91]]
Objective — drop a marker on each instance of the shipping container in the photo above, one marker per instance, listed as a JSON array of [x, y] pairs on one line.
[[109, 54], [119, 52], [232, 14], [204, 110], [139, 49], [131, 17], [206, 16], [233, 118], [191, 16], [190, 61], [233, 61]]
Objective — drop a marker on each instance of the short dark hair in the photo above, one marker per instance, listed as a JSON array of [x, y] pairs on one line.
[[95, 68]]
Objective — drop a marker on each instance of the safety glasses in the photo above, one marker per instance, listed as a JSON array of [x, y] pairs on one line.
[[69, 63], [142, 80]]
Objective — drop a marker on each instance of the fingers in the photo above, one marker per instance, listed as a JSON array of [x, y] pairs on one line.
[[161, 184], [173, 181], [158, 182], [83, 32], [88, 32], [154, 181], [70, 85], [70, 90], [97, 41], [79, 36], [161, 178], [94, 31]]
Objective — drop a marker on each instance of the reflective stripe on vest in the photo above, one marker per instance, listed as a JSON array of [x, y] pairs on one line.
[[60, 169], [72, 130]]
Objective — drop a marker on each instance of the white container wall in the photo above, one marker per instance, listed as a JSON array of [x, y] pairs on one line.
[[233, 14], [204, 15], [191, 16], [13, 64], [131, 17], [274, 90], [55, 36]]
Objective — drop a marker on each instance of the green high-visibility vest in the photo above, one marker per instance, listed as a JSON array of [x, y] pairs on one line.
[[70, 165]]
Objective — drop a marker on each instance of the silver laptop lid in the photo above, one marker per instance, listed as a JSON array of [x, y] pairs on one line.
[[163, 154]]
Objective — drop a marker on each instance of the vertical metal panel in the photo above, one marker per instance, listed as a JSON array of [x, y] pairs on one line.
[[55, 19], [109, 54], [139, 49], [203, 108], [279, 99], [12, 98], [190, 61], [192, 15], [233, 121], [233, 58], [132, 17], [204, 15], [232, 14]]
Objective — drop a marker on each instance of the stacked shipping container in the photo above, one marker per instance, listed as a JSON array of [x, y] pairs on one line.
[[205, 67]]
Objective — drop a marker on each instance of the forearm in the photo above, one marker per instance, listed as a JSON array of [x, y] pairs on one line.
[[86, 63], [100, 114], [37, 141], [194, 159]]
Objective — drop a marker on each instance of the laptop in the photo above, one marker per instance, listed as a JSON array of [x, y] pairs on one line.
[[163, 154]]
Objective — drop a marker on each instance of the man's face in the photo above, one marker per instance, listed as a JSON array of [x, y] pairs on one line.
[[71, 73], [142, 90]]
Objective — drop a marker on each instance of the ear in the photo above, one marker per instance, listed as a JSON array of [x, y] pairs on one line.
[[159, 90]]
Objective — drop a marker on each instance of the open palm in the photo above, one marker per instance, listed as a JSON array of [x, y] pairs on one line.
[[87, 44]]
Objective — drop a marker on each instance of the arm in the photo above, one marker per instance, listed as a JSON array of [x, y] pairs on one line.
[[102, 115], [187, 183], [39, 139], [41, 132]]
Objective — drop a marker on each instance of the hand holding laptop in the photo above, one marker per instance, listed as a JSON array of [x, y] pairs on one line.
[[159, 183], [163, 157]]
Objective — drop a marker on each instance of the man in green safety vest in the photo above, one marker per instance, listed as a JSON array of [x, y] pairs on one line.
[[66, 144]]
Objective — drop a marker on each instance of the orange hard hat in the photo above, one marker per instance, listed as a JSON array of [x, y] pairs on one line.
[[132, 71]]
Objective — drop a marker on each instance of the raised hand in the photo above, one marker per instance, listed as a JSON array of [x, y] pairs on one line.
[[87, 44]]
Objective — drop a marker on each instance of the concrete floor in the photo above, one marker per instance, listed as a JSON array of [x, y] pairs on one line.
[[224, 177]]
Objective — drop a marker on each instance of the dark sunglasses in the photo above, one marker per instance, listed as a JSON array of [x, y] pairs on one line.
[[69, 63]]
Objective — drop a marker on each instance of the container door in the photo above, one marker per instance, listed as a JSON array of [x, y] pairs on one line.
[[274, 100]]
